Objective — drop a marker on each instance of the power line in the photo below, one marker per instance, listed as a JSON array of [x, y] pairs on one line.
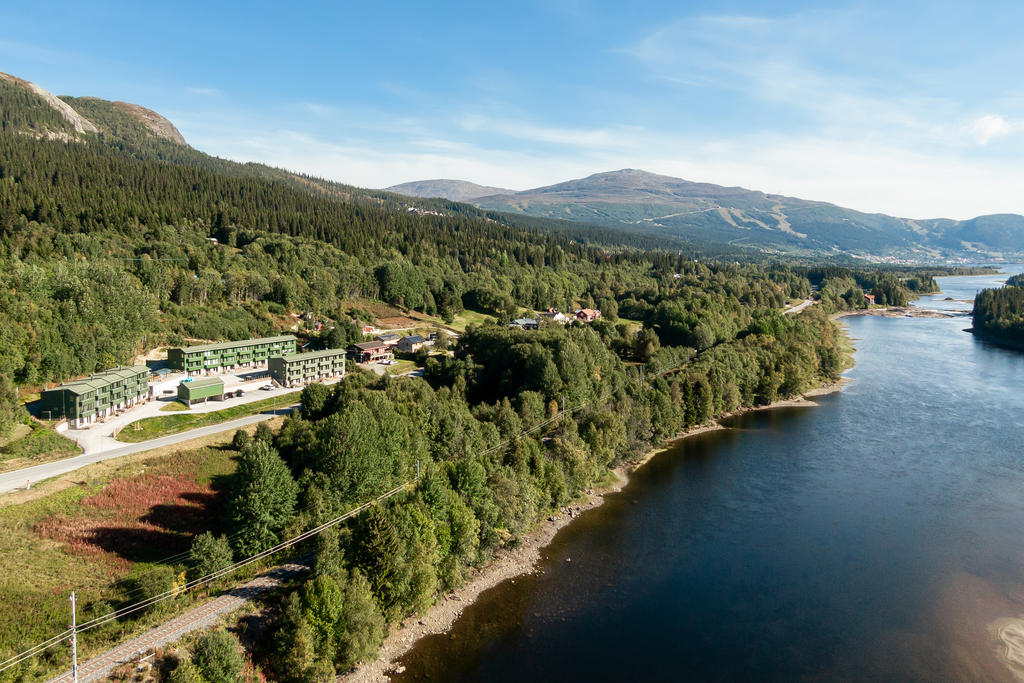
[[174, 592]]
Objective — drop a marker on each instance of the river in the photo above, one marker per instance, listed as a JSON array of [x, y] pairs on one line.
[[875, 536]]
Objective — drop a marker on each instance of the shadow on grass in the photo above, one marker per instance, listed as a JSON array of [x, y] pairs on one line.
[[169, 528], [144, 544]]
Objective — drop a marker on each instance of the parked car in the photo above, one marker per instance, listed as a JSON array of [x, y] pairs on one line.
[[187, 379], [267, 387]]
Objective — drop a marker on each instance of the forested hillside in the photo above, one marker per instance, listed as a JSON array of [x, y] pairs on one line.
[[646, 203], [120, 240]]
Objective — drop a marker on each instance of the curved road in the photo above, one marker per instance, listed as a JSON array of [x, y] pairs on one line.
[[799, 307], [17, 479]]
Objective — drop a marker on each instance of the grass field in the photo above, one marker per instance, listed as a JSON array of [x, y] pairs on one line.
[[36, 445], [174, 407], [154, 427], [94, 537], [468, 317], [401, 366]]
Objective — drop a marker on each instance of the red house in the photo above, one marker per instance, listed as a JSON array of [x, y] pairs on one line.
[[870, 299], [368, 352], [587, 315]]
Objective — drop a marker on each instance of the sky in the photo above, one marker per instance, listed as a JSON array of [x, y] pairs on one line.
[[909, 108]]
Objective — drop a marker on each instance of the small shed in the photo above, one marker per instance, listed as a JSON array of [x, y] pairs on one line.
[[201, 390]]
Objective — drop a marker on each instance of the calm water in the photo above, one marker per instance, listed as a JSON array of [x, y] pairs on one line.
[[873, 537]]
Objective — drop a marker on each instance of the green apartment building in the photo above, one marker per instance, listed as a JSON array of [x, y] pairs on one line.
[[201, 390], [303, 368], [84, 401], [227, 355]]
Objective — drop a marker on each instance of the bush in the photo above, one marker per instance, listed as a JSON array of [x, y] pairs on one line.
[[186, 672], [264, 433], [156, 581], [218, 658], [208, 554], [241, 439]]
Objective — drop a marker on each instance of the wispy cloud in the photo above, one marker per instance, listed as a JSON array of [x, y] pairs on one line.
[[319, 109], [814, 105]]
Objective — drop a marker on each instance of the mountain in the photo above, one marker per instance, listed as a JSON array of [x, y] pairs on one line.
[[652, 204], [71, 118], [455, 190]]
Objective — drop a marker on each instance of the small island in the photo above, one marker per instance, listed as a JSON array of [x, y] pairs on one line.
[[999, 314]]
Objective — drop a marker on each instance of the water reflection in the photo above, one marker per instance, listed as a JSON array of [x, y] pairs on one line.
[[873, 537]]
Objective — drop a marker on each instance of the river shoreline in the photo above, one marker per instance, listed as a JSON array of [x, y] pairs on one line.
[[508, 564], [901, 312]]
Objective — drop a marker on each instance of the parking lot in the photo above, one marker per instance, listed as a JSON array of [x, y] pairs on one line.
[[100, 436]]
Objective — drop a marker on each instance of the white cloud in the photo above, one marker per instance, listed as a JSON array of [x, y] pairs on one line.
[[888, 180], [987, 127], [818, 126]]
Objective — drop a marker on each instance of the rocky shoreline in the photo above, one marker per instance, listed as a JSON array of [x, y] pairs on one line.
[[508, 564], [902, 312]]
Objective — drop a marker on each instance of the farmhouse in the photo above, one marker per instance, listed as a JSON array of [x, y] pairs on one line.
[[390, 339], [587, 315], [367, 352], [84, 401], [555, 316], [303, 368], [412, 343], [227, 355], [524, 323]]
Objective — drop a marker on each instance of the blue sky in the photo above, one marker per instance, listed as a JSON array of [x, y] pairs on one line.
[[910, 108]]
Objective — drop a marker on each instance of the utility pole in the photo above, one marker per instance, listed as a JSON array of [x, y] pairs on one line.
[[563, 405], [417, 470], [74, 640]]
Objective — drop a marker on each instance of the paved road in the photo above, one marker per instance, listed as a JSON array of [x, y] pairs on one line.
[[98, 668], [11, 481], [799, 307]]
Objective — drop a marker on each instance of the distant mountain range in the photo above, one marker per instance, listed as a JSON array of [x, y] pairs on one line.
[[639, 201], [455, 190], [619, 207]]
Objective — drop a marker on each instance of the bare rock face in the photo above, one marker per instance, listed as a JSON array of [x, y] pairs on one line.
[[156, 123], [80, 123]]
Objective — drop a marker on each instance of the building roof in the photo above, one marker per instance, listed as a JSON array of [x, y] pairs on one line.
[[414, 339], [234, 344], [314, 354], [82, 386], [524, 321], [369, 346], [387, 337], [203, 383], [102, 379]]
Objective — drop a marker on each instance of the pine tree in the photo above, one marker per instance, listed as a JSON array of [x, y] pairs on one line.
[[262, 498]]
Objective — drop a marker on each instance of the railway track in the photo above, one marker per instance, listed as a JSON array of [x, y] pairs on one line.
[[99, 667]]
